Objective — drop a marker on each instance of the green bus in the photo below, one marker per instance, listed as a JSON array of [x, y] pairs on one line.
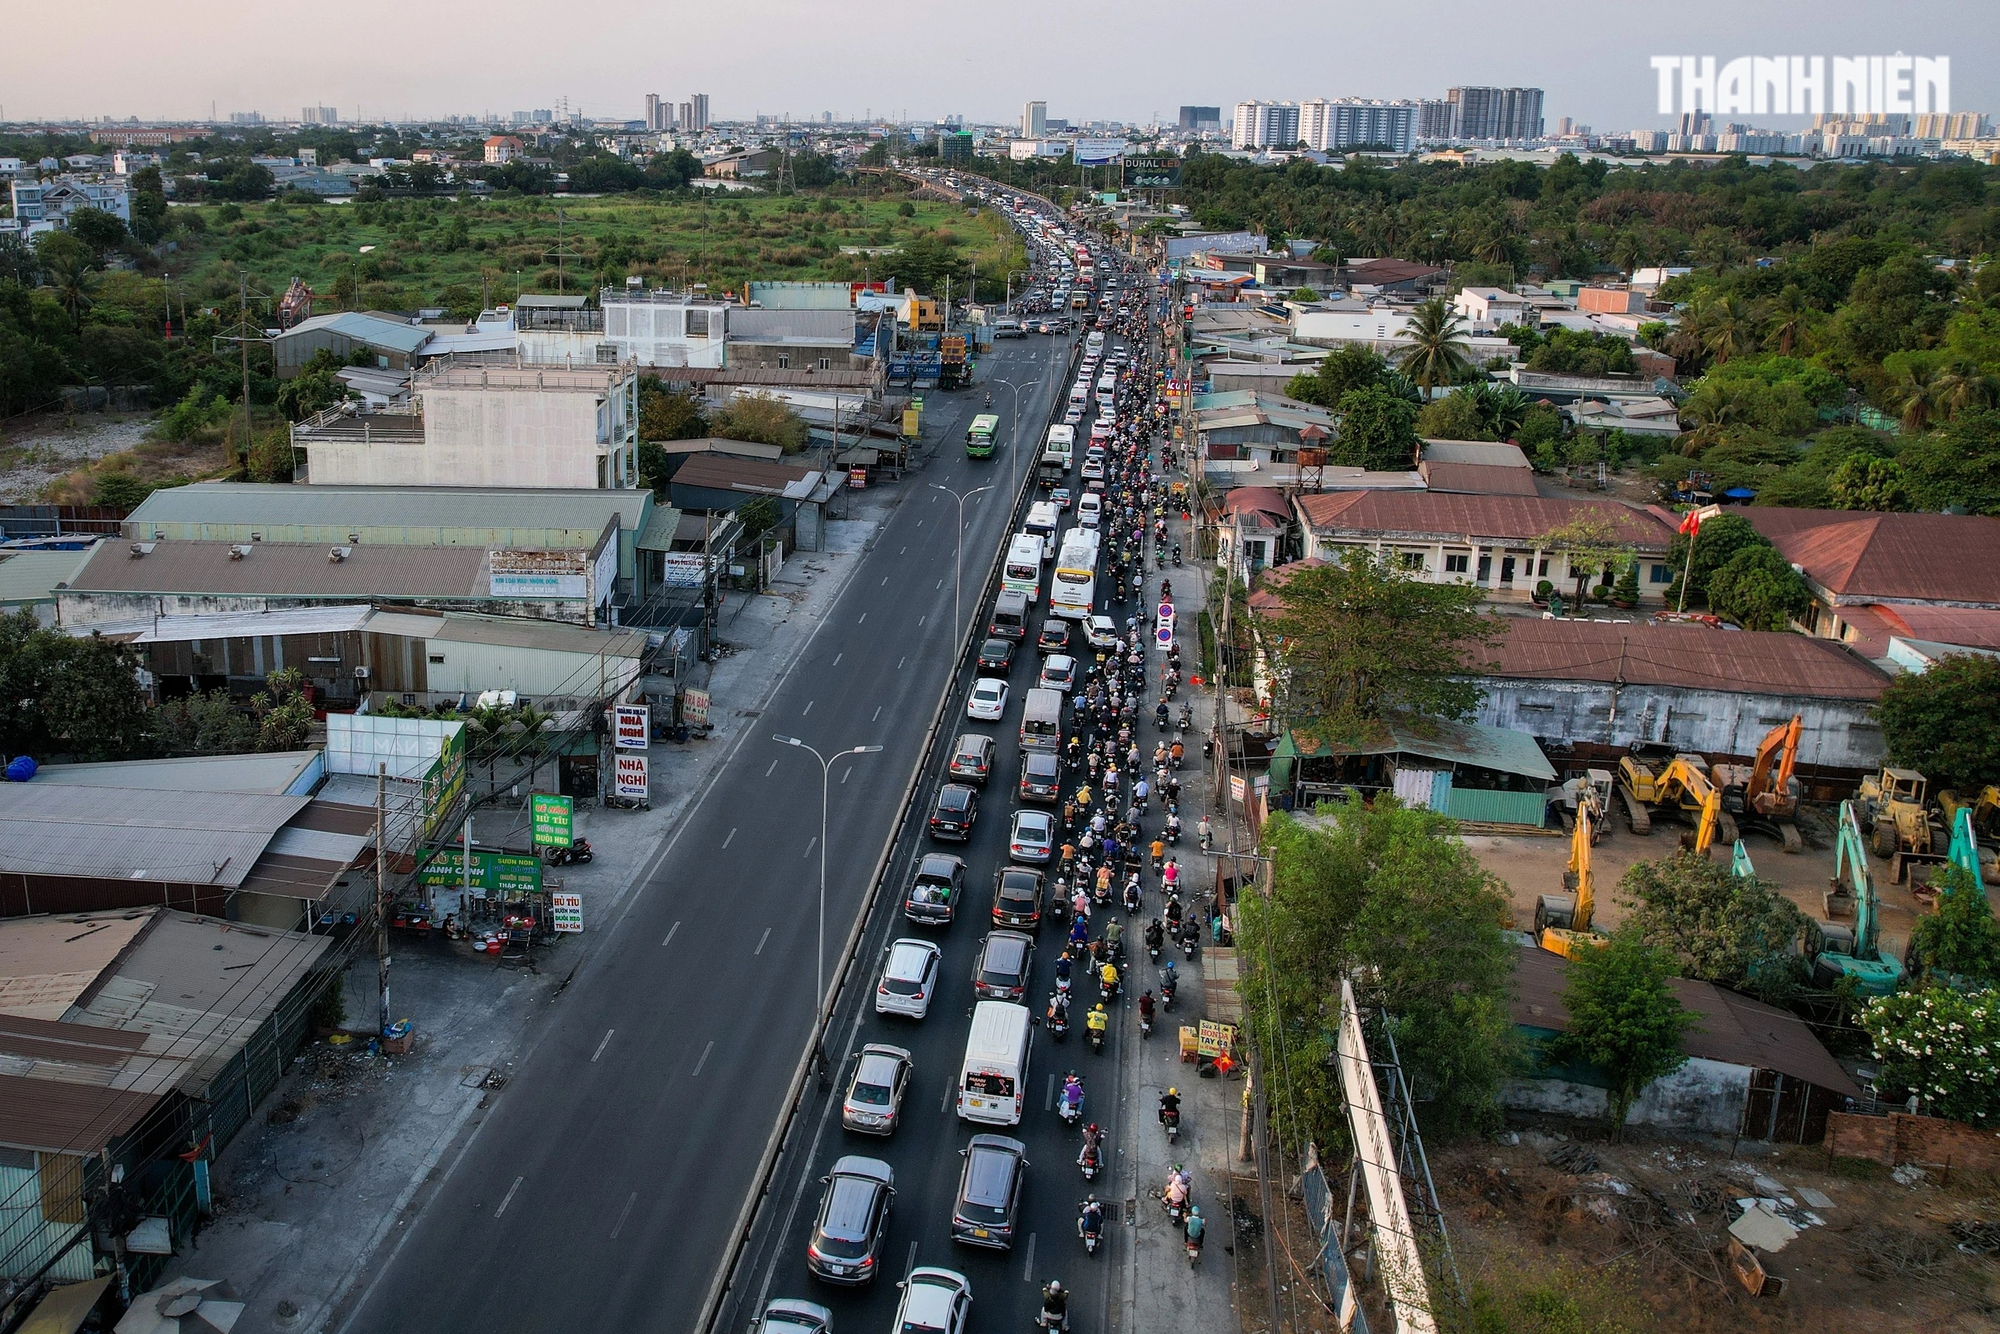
[[979, 437]]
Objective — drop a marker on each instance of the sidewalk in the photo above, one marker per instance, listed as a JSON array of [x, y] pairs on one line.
[[311, 1189]]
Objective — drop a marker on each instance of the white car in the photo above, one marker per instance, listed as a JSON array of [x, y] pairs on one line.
[[988, 702], [1058, 672], [935, 1301], [1101, 631], [909, 978]]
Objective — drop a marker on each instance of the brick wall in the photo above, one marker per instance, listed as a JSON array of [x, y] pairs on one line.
[[1899, 1138]]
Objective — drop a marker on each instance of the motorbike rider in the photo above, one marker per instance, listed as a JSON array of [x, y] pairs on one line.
[[1079, 930], [1132, 899], [1114, 937], [1059, 1011], [1072, 1093], [1107, 979], [1175, 1196], [1170, 1105], [1097, 1021], [1207, 834], [1146, 1008], [1156, 935], [1055, 1305], [1090, 1218], [1194, 1227], [1062, 966]]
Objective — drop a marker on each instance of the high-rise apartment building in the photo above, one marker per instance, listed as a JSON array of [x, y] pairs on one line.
[[697, 119], [319, 116], [659, 113], [1339, 124], [1034, 119], [1265, 125], [1196, 119], [1495, 113], [1433, 120], [1952, 125]]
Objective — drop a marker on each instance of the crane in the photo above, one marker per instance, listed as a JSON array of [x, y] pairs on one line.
[[1762, 792], [1683, 785], [1861, 959], [1562, 921]]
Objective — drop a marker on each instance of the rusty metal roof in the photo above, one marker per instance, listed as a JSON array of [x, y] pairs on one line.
[[1923, 557], [1695, 657], [289, 569], [53, 1116], [1431, 515], [1478, 479]]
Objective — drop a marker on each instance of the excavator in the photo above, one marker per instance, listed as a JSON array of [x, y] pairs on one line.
[[1857, 954], [1984, 810], [1562, 921], [1682, 785], [1762, 794], [1890, 809]]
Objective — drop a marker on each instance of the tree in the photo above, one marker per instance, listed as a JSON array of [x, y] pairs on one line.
[[208, 723], [1359, 639], [1945, 721], [1377, 430], [1588, 544], [1937, 1046], [669, 416], [97, 229], [1759, 590], [1717, 926], [284, 712], [1623, 1018], [763, 419], [1961, 937], [1349, 366], [66, 695], [1437, 353], [1862, 483], [1386, 895], [1957, 465], [1719, 538], [1456, 416]]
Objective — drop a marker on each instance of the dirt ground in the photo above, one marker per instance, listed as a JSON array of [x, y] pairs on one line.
[[35, 453], [1532, 866], [1634, 1236]]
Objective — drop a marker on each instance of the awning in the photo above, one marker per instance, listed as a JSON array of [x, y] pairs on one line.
[[660, 529], [65, 1307], [1469, 744]]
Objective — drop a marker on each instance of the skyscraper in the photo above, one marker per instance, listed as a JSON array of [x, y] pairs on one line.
[[1433, 120], [1197, 119], [1265, 125], [659, 113], [700, 112], [1495, 113], [1353, 122], [685, 121], [1034, 119]]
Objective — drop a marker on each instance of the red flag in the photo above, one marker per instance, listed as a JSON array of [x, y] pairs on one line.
[[1691, 523]]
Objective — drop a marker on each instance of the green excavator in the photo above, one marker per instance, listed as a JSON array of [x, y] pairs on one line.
[[1856, 955]]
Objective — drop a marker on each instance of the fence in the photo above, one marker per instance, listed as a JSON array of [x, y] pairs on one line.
[[1329, 1265], [1898, 1138]]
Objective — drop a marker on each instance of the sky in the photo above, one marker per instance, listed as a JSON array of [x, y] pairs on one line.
[[1128, 60]]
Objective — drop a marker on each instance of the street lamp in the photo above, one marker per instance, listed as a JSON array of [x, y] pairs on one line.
[[1016, 389], [958, 550], [819, 954], [1010, 286]]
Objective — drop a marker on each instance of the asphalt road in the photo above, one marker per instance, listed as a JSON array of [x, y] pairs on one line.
[[600, 1190]]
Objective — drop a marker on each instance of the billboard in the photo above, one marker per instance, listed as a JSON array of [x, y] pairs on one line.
[[631, 726], [1153, 173], [1097, 152], [629, 776], [492, 873]]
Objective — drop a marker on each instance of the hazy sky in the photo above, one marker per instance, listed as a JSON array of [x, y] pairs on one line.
[[1113, 59]]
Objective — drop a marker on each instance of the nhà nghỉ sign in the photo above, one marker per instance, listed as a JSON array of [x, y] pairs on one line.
[[628, 776], [631, 726]]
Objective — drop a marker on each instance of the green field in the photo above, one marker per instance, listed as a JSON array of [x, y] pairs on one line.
[[460, 253]]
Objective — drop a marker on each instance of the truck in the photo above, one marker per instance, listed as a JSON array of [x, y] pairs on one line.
[[952, 366]]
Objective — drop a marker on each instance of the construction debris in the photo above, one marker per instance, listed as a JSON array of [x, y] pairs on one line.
[[1976, 1237], [1572, 1158], [1762, 1229]]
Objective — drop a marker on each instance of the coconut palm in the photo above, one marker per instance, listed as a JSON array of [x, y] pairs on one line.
[[1437, 351], [1917, 392], [1709, 414], [1962, 386], [1786, 319], [1727, 332], [1502, 409], [1628, 252]]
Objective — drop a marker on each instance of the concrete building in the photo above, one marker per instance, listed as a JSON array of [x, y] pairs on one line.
[[53, 201], [397, 344], [1495, 113], [1495, 542], [1199, 120], [500, 149], [1485, 309], [1265, 125], [1717, 692], [504, 425], [1034, 120], [1333, 126]]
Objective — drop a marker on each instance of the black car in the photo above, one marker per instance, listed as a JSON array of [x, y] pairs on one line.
[[1041, 776], [1054, 637], [996, 656], [1017, 897], [957, 807], [989, 1191], [1001, 972], [936, 889], [853, 1220]]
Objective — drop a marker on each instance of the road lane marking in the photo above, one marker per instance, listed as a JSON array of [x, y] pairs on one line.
[[510, 1197], [837, 657], [864, 617], [910, 1264], [732, 830], [711, 1044], [808, 708], [773, 769], [885, 581], [899, 667], [811, 843], [1049, 1102], [1027, 1265], [849, 774], [940, 583], [626, 1213], [923, 618], [670, 935], [762, 941], [904, 551], [878, 707], [950, 1087], [602, 1045]]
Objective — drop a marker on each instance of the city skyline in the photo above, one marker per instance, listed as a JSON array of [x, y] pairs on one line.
[[162, 70]]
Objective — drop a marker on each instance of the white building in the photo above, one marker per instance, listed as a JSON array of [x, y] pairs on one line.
[[1487, 308], [53, 201], [1034, 120], [1265, 125], [1332, 126]]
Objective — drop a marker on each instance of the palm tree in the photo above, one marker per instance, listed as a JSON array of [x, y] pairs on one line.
[[1787, 319], [1628, 252], [1437, 353], [1917, 392], [1962, 386], [1709, 414], [1727, 333], [1502, 409], [70, 277]]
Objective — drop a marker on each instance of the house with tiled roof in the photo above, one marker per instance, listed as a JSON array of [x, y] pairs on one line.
[[1494, 541], [1866, 570]]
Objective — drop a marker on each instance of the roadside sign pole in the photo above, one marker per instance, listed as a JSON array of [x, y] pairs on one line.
[[381, 897]]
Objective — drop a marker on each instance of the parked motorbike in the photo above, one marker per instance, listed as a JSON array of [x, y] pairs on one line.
[[576, 853]]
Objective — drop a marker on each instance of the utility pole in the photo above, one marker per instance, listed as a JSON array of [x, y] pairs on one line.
[[382, 896], [245, 335]]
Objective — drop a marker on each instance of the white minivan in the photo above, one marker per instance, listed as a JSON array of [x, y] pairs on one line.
[[1089, 509], [993, 1081]]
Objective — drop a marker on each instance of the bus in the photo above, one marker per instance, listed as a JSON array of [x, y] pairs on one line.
[[1043, 522], [1075, 587], [1023, 572], [979, 436], [1061, 444]]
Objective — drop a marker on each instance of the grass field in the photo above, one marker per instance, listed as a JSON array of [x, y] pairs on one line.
[[460, 253]]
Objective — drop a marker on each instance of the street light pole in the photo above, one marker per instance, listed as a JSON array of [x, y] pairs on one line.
[[1016, 389], [819, 953], [958, 552]]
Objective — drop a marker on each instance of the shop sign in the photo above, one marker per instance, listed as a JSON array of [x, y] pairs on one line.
[[1237, 788], [566, 913], [553, 819], [1214, 1039], [694, 707], [628, 776], [857, 479], [631, 726], [494, 874]]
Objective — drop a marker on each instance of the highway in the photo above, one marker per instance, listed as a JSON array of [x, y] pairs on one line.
[[600, 1190]]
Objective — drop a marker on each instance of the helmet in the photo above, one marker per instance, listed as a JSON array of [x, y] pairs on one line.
[[1099, 1007], [1173, 1093], [1055, 1285], [1093, 1127]]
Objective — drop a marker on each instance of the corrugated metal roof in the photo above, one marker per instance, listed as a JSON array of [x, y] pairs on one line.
[[1516, 519], [32, 576], [1693, 657], [204, 838], [1972, 627], [1495, 455], [722, 473], [289, 569], [375, 511], [46, 963], [1729, 1028], [364, 328], [52, 1116], [271, 773], [1477, 479], [243, 624], [1927, 557], [547, 635], [1472, 744], [660, 529]]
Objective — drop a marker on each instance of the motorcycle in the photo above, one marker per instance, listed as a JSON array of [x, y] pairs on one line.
[[578, 852], [1068, 1108], [1090, 1160], [1190, 939], [1177, 555], [1173, 832], [1097, 1042], [1170, 1117], [1191, 1234], [1090, 1226], [1058, 1023], [1169, 985], [1131, 899]]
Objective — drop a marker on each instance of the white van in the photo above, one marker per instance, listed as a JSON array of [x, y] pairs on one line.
[[1094, 344], [1023, 571], [1079, 394], [993, 1081], [1089, 509], [1043, 520]]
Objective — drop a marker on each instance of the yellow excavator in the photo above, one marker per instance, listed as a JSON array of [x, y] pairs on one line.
[[1562, 921], [1762, 794], [1682, 785], [1985, 809]]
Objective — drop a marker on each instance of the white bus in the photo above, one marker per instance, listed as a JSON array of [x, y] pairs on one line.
[[1043, 521], [1023, 572], [993, 1081], [1093, 345], [1060, 444], [1075, 586]]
